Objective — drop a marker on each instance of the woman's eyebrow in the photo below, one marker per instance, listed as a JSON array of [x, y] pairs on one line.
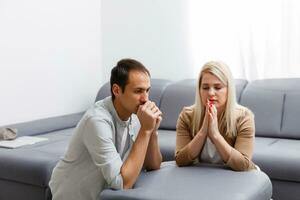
[[218, 84], [212, 84]]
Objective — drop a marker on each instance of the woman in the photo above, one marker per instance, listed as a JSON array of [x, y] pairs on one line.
[[215, 129]]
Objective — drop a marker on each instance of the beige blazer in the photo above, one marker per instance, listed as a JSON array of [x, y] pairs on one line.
[[243, 143]]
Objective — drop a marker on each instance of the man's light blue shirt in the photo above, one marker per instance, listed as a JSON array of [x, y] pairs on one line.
[[92, 161]]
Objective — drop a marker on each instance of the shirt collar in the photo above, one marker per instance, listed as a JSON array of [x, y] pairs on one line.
[[114, 113]]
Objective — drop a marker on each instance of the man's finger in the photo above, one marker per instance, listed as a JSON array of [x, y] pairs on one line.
[[157, 114]]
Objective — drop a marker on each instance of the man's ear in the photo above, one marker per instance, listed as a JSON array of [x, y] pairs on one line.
[[117, 90]]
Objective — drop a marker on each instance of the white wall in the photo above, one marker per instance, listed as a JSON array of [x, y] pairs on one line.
[[49, 57], [154, 32]]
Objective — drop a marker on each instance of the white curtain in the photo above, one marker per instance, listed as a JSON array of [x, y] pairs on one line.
[[256, 38]]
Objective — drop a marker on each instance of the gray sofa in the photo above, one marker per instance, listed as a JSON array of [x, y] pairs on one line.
[[199, 181], [25, 171]]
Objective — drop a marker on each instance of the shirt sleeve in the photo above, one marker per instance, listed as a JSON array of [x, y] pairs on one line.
[[183, 137], [242, 151], [98, 139]]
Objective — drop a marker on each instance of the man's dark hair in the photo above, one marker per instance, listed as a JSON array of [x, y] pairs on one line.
[[120, 73]]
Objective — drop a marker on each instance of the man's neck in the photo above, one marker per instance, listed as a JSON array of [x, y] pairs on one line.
[[122, 113]]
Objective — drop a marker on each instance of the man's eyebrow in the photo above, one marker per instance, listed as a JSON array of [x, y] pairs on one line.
[[141, 88]]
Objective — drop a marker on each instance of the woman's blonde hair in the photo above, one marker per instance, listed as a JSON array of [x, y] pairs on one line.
[[226, 120]]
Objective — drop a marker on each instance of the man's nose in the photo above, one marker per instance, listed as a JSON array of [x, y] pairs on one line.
[[144, 97]]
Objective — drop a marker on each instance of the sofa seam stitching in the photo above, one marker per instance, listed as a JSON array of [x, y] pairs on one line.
[[282, 112]]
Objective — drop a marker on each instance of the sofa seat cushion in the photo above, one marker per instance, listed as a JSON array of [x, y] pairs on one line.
[[33, 164], [279, 158], [167, 143]]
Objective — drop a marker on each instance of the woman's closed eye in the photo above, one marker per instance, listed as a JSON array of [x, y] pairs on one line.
[[216, 88]]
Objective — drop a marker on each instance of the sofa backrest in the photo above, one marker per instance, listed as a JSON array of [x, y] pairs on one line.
[[43, 126], [176, 96], [275, 104], [180, 94]]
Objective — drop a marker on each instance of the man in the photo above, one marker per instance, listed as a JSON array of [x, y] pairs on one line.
[[113, 140]]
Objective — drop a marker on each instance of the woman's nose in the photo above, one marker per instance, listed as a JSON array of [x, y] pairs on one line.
[[211, 91]]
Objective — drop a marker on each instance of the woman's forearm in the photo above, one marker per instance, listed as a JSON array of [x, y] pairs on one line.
[[191, 151]]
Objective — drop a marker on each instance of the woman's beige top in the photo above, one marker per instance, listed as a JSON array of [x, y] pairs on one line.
[[209, 153], [241, 153]]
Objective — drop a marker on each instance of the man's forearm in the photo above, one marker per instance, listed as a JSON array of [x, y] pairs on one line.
[[134, 162], [153, 157]]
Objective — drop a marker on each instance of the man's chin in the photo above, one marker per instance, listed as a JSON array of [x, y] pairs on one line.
[[136, 110]]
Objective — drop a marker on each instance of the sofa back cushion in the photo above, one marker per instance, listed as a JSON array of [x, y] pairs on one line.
[[175, 97], [182, 93], [275, 104], [157, 88]]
